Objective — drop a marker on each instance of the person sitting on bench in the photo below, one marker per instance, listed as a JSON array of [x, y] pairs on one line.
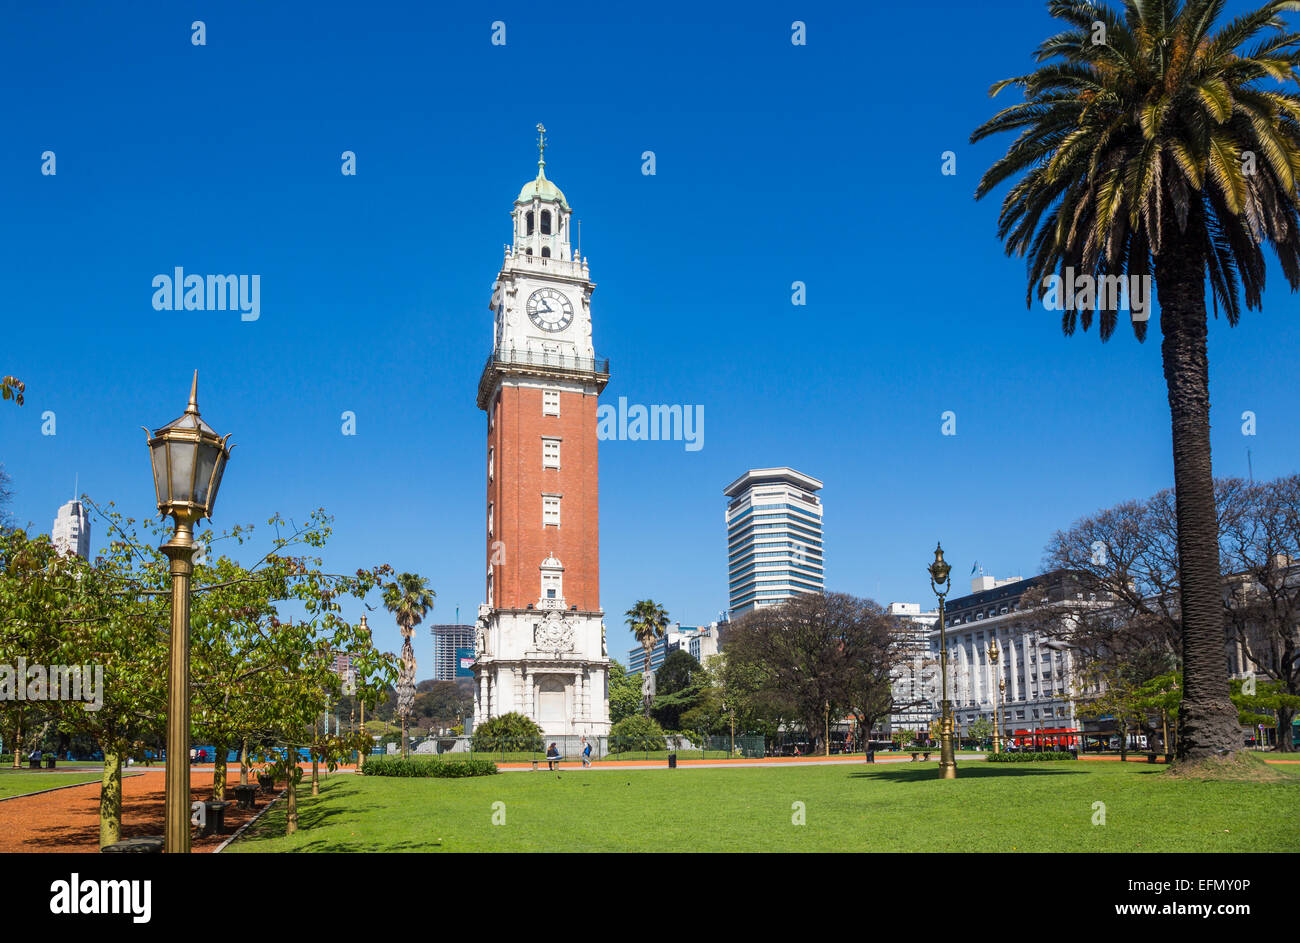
[[552, 756]]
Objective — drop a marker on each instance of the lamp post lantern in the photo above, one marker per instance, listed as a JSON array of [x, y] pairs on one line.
[[188, 459], [997, 700], [940, 573]]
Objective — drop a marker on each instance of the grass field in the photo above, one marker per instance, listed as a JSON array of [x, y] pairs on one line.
[[898, 807], [21, 783]]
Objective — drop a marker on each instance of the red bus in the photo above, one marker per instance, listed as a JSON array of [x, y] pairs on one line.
[[1047, 738]]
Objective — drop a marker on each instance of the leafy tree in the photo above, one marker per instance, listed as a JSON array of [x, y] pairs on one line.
[[1157, 147], [409, 599], [980, 729], [648, 621], [507, 733], [636, 732], [12, 388], [624, 692], [810, 654]]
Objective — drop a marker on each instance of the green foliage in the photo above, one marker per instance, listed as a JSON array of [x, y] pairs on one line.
[[1040, 757], [637, 732], [510, 732], [418, 768], [980, 729], [624, 692]]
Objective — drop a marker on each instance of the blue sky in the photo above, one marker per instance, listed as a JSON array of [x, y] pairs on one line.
[[775, 163]]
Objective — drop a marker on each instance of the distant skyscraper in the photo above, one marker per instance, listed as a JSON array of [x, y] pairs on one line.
[[447, 641], [774, 537], [71, 532]]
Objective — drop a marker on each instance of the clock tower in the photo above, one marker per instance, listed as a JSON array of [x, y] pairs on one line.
[[540, 636]]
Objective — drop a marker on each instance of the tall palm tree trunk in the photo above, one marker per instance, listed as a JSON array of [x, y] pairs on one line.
[[1209, 721]]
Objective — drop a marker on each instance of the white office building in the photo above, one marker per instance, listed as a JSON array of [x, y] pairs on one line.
[[71, 531], [774, 538]]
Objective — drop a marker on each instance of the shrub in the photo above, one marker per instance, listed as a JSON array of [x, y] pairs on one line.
[[413, 767], [1030, 757], [637, 732], [511, 732]]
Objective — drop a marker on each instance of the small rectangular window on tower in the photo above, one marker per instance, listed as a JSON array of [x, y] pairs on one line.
[[551, 509], [550, 453], [550, 402]]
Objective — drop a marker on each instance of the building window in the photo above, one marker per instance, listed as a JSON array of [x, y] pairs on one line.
[[529, 221], [492, 455], [489, 592], [546, 222], [551, 509], [550, 402], [550, 453], [546, 252], [490, 507]]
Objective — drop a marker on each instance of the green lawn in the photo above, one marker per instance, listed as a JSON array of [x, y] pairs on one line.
[[21, 783], [896, 807]]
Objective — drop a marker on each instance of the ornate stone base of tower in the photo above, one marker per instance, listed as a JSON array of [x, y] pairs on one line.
[[534, 662]]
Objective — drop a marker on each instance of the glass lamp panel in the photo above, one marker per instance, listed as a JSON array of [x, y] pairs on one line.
[[182, 469], [207, 457], [218, 470], [158, 456]]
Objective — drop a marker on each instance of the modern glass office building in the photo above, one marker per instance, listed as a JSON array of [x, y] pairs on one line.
[[774, 538], [447, 641]]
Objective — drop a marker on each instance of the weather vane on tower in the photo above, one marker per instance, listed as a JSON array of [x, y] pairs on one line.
[[541, 146]]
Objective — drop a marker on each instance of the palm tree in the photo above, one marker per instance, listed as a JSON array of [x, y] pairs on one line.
[[409, 599], [648, 620], [1150, 144]]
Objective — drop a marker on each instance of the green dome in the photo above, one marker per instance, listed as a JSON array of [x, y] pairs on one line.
[[542, 189]]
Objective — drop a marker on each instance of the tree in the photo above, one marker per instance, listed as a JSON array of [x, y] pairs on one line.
[[624, 692], [409, 599], [980, 729], [811, 653], [12, 388], [636, 733], [1261, 548], [648, 621], [1157, 150], [507, 733]]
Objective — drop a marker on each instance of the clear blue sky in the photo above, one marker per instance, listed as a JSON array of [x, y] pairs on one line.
[[776, 163]]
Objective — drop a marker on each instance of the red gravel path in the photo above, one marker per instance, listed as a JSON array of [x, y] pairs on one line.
[[68, 819]]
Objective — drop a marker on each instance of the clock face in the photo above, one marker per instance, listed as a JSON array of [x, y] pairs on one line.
[[550, 309]]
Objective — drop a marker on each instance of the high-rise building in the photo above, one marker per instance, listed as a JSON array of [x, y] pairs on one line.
[[540, 637], [449, 643], [71, 531], [774, 537], [702, 641]]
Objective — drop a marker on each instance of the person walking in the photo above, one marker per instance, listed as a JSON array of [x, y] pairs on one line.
[[586, 753]]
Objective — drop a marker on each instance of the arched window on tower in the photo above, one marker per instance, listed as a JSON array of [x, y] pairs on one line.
[[529, 251], [546, 252], [546, 222], [529, 222]]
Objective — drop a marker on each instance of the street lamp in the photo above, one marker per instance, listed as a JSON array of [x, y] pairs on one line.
[[939, 577], [188, 459], [997, 700]]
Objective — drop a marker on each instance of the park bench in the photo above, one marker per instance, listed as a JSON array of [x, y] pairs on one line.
[[548, 760], [246, 796], [151, 845], [919, 753]]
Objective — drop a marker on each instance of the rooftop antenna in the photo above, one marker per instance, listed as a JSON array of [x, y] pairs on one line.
[[580, 240], [1250, 468], [76, 485]]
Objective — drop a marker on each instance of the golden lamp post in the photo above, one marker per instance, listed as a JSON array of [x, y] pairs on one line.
[[188, 460], [939, 577], [997, 700]]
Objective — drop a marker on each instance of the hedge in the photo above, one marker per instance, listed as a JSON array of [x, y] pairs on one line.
[[414, 767], [1030, 757]]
